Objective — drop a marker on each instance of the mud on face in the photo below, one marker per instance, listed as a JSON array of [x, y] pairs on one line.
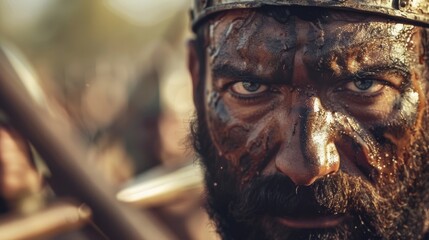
[[312, 98]]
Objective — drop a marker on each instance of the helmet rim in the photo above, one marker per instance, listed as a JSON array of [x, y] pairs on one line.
[[413, 11]]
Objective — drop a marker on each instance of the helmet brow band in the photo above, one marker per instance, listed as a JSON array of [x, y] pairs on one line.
[[415, 11]]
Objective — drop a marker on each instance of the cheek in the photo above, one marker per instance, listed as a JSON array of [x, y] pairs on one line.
[[406, 125], [402, 132], [245, 146], [228, 133]]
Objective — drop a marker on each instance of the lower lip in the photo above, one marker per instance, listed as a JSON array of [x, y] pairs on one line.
[[313, 223]]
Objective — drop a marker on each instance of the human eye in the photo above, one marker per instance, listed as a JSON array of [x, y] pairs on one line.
[[370, 95], [365, 86], [369, 98], [248, 89]]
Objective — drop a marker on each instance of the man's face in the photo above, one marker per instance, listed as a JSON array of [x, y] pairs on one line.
[[313, 125]]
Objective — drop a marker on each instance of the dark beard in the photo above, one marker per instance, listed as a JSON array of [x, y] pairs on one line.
[[396, 209]]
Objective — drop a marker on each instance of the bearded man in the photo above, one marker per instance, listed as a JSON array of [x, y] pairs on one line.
[[312, 117]]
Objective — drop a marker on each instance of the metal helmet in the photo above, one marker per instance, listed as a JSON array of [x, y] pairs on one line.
[[416, 11]]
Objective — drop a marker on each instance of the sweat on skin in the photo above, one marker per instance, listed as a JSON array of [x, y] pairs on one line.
[[315, 97]]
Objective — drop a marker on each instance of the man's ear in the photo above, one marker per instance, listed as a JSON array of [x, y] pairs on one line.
[[194, 67]]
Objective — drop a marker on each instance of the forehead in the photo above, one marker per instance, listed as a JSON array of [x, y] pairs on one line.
[[334, 39], [273, 23]]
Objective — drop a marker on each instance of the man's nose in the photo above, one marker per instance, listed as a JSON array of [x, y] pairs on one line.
[[308, 151]]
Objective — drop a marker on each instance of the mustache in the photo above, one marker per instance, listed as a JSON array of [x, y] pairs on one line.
[[278, 196]]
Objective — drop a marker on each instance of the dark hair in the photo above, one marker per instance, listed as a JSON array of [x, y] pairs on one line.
[[201, 45]]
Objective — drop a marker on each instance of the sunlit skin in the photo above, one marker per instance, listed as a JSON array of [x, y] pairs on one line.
[[307, 76], [310, 98]]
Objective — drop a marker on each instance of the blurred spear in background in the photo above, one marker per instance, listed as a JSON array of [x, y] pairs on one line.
[[65, 157]]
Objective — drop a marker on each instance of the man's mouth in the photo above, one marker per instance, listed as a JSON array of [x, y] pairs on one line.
[[316, 222]]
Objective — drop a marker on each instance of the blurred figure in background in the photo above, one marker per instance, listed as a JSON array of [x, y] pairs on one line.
[[116, 70], [19, 180]]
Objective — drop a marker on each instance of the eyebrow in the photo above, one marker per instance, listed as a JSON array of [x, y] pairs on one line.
[[232, 72], [367, 71]]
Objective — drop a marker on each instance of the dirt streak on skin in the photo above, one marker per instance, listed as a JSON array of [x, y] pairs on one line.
[[310, 61]]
